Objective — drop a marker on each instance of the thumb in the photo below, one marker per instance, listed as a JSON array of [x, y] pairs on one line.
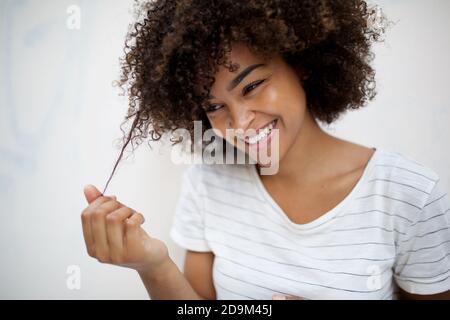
[[91, 193]]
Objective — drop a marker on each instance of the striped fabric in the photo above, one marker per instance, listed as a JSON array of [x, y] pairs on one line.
[[392, 229]]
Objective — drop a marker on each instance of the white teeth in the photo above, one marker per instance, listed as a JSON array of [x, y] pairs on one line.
[[261, 135]]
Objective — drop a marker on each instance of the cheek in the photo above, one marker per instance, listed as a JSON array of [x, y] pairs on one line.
[[273, 101], [288, 102], [295, 102], [291, 103], [218, 125]]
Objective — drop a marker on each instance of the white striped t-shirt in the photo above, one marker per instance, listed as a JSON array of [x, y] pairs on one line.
[[392, 229]]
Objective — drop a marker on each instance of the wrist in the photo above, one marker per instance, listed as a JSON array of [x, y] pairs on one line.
[[158, 272]]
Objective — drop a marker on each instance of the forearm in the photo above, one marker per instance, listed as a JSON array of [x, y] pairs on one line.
[[168, 283]]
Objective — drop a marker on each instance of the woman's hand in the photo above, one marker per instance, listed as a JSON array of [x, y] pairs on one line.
[[113, 234]]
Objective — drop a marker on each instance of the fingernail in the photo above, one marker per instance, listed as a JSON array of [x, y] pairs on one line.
[[278, 297]]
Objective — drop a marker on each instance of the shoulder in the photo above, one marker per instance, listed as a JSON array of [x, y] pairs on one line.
[[404, 178], [403, 166]]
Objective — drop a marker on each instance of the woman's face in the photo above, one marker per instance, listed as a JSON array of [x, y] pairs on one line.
[[259, 94]]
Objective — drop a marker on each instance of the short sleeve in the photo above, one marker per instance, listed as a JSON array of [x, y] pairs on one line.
[[423, 253], [188, 223]]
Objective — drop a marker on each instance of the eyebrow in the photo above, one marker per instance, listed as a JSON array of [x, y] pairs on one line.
[[238, 79]]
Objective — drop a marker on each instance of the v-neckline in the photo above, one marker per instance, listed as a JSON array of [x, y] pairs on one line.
[[309, 226]]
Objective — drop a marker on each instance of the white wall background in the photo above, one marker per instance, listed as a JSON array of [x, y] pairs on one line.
[[60, 116]]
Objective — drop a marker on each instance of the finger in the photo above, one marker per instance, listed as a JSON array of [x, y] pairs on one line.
[[97, 202], [87, 233], [91, 193], [98, 227], [137, 218], [132, 232], [86, 216], [115, 231]]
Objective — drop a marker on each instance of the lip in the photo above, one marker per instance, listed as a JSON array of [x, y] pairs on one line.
[[261, 128], [265, 140]]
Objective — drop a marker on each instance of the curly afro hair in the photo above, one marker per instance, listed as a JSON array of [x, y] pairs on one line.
[[175, 47]]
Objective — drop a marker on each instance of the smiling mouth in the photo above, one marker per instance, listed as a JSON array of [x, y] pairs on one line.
[[262, 133]]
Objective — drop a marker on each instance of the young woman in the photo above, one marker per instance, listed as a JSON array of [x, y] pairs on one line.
[[338, 220]]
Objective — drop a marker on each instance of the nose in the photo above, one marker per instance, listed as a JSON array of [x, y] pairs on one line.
[[241, 116]]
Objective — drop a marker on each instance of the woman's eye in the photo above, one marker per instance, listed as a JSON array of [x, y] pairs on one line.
[[214, 108], [245, 91], [251, 87]]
